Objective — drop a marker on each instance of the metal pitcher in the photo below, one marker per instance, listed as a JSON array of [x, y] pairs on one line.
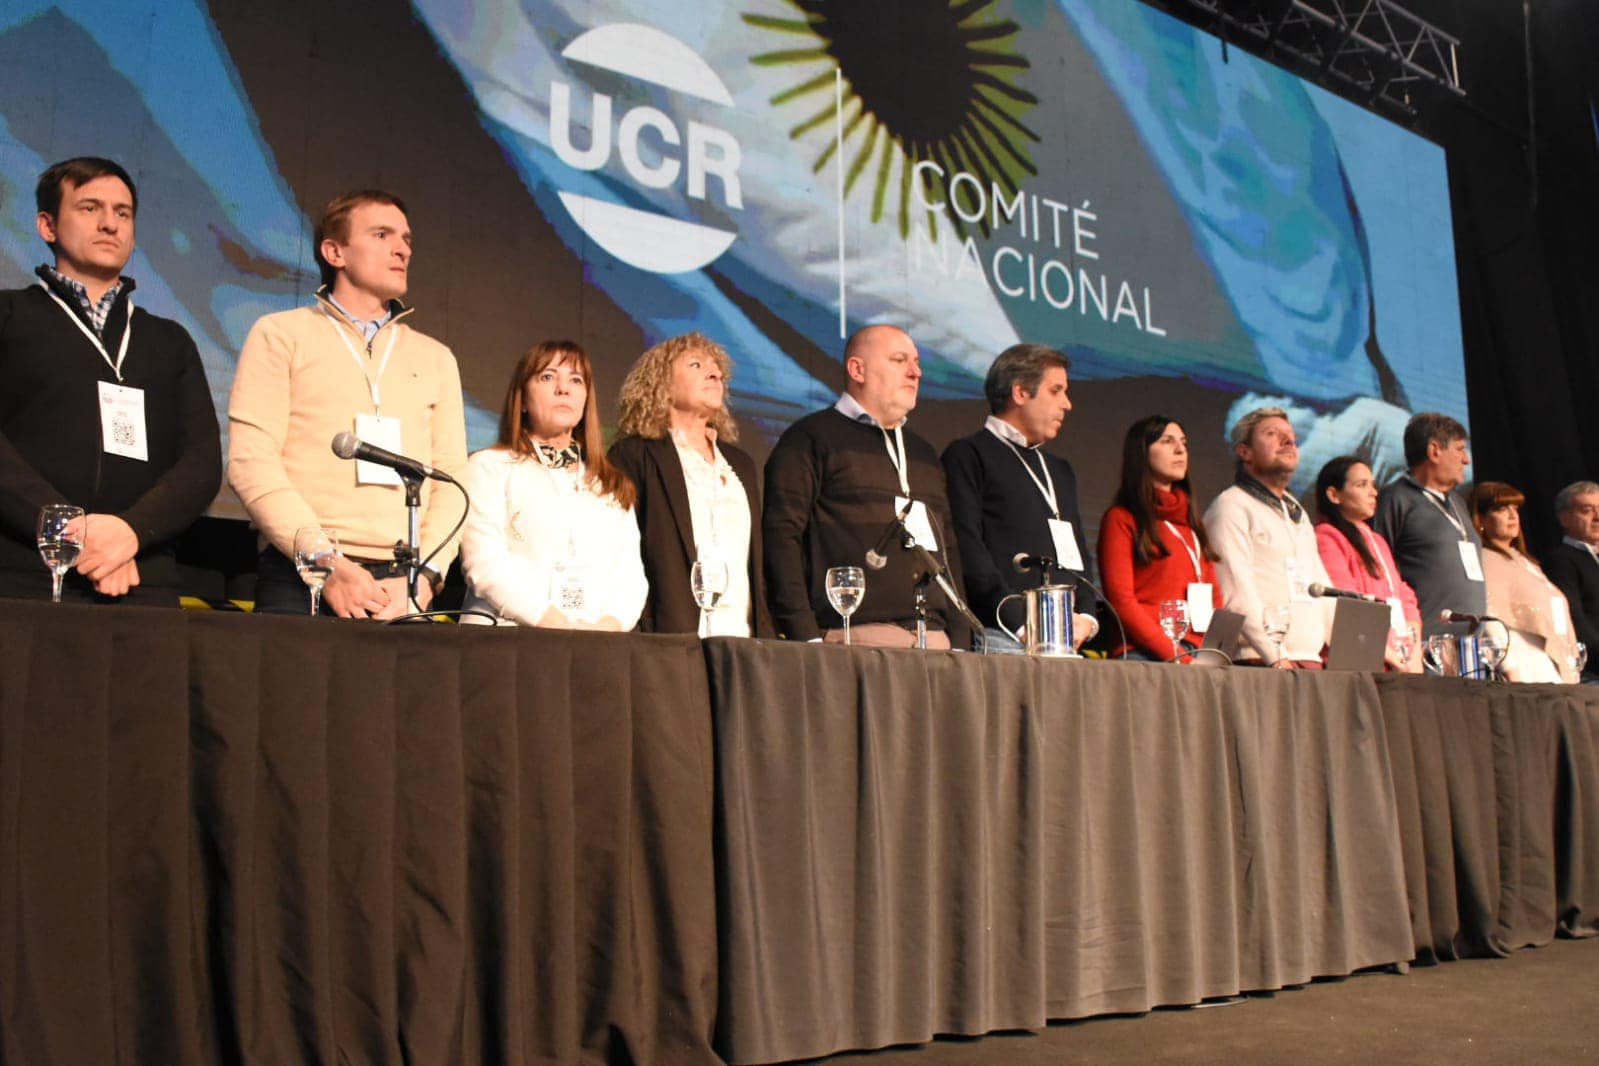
[[1049, 621]]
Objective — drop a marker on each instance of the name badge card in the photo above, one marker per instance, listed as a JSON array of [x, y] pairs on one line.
[[1396, 616], [1298, 582], [1470, 560], [1201, 605], [1066, 553], [1558, 613], [122, 430], [384, 432], [921, 529]]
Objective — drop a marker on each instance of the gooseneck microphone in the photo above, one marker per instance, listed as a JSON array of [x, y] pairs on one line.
[[347, 445], [1446, 615], [1025, 563], [1316, 588], [876, 555]]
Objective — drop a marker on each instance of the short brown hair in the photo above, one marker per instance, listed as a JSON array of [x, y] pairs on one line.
[[515, 434], [1024, 365], [1424, 429], [644, 408], [334, 224], [1243, 430], [76, 171]]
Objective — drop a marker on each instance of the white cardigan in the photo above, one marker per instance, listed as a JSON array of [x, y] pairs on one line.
[[526, 521], [1255, 542]]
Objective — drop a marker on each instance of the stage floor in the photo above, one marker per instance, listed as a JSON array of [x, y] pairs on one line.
[[1535, 1006]]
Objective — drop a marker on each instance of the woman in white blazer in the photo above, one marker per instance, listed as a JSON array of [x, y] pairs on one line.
[[551, 539]]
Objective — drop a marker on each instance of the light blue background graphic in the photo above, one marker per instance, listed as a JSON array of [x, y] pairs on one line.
[[1263, 227]]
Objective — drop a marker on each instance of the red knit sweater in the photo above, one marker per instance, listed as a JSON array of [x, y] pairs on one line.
[[1134, 590]]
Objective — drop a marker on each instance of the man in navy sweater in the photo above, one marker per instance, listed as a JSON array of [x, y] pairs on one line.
[[1012, 497], [106, 406], [834, 483]]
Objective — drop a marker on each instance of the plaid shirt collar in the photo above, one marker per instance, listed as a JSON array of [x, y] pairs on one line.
[[95, 312]]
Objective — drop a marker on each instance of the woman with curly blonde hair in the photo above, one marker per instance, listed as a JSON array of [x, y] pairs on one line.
[[698, 499]]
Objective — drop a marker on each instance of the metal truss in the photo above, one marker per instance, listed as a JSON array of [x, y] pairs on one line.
[[1372, 50]]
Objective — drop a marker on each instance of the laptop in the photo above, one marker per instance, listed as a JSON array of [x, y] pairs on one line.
[[1359, 636], [1220, 646]]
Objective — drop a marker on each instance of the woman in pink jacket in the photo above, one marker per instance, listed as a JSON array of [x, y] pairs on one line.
[[1358, 559]]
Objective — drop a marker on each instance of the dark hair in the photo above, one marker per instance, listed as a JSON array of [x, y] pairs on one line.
[[1489, 496], [334, 224], [1335, 475], [1424, 429], [74, 172], [515, 434], [1137, 491], [1024, 365]]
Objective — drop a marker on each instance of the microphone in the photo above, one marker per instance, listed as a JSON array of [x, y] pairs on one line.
[[1316, 588], [1024, 562], [875, 557], [347, 445], [1446, 615]]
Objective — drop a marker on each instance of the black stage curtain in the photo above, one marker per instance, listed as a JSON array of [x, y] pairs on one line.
[[917, 844], [227, 839]]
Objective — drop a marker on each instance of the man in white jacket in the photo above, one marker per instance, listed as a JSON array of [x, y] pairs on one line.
[[1268, 548]]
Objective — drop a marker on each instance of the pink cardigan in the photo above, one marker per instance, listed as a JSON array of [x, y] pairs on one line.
[[1347, 571]]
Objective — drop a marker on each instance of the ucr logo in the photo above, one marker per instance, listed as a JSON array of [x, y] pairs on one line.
[[645, 239]]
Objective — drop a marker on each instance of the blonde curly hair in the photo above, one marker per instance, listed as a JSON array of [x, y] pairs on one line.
[[644, 408]]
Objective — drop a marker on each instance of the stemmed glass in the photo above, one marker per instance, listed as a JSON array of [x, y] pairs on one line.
[[1275, 622], [846, 588], [708, 581], [1491, 649], [1401, 642], [61, 530], [315, 550], [1578, 658], [1436, 651], [1174, 620]]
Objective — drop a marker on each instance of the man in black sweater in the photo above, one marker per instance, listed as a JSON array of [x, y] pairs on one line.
[[834, 483], [106, 407], [1011, 497], [1573, 564]]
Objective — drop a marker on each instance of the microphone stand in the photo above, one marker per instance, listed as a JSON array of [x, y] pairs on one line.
[[409, 552], [929, 568]]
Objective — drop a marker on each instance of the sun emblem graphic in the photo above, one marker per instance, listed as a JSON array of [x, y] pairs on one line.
[[923, 80]]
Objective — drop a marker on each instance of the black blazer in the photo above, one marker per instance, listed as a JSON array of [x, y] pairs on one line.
[[1575, 573], [666, 529]]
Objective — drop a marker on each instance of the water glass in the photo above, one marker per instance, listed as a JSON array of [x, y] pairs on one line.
[[1275, 622], [315, 550], [708, 582], [61, 529], [1579, 657], [1174, 620], [846, 588]]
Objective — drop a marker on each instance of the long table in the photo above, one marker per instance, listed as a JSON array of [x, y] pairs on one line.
[[231, 839]]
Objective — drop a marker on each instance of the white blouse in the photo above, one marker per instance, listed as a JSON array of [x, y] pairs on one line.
[[538, 538], [719, 510]]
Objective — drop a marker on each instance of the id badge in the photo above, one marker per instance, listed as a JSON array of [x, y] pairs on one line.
[[1470, 560], [1066, 553], [921, 529], [122, 430], [385, 433], [568, 588], [1201, 605], [1559, 613], [1396, 616], [1298, 582]]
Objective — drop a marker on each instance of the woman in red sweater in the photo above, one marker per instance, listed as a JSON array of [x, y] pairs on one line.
[[1356, 556], [1152, 544]]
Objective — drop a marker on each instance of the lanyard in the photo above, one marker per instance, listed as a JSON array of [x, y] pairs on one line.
[[896, 455], [99, 345], [1371, 546], [371, 383], [1193, 552], [1046, 486], [1447, 512]]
